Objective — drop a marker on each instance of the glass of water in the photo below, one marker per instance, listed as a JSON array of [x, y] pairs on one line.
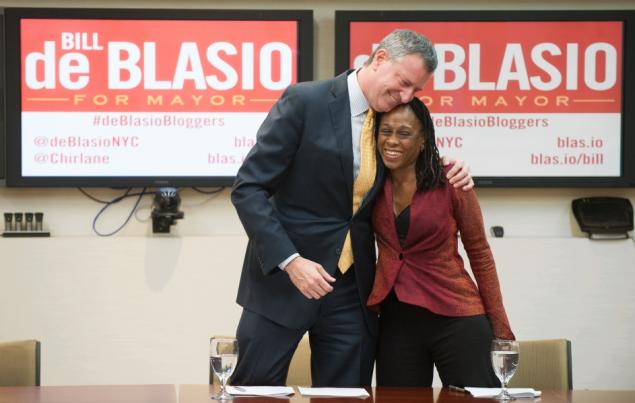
[[505, 362], [223, 354]]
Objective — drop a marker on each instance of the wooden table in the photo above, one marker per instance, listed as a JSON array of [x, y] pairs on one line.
[[89, 394], [201, 394]]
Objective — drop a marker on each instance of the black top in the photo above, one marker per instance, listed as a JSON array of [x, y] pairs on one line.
[[402, 221]]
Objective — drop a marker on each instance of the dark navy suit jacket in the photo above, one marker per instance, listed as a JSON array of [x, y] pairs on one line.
[[293, 193]]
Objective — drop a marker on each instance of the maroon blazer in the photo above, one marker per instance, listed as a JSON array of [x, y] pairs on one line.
[[428, 271]]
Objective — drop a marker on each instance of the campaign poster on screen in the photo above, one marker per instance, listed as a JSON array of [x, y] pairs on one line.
[[148, 97], [521, 98]]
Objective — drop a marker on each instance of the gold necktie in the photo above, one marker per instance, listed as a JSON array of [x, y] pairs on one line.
[[363, 182]]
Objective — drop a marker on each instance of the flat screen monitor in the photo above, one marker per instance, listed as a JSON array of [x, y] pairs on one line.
[[526, 98], [2, 159], [113, 98]]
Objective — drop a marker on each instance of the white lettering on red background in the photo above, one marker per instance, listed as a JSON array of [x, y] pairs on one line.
[[44, 70], [453, 72]]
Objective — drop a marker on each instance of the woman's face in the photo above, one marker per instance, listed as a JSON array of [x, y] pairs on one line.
[[400, 138]]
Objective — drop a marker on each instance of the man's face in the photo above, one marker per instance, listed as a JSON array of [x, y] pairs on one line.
[[395, 82]]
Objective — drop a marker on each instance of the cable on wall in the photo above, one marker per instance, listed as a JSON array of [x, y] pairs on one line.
[[113, 201]]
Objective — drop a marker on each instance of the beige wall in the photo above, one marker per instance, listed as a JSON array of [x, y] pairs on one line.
[[138, 308]]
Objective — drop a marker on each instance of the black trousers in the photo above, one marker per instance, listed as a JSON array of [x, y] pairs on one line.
[[412, 340], [342, 348]]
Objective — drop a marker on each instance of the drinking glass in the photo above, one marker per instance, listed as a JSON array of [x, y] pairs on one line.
[[223, 354], [504, 362]]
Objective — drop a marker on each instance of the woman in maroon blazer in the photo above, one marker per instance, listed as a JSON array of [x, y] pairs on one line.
[[431, 312]]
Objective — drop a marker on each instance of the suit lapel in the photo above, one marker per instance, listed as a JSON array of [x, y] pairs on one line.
[[340, 110]]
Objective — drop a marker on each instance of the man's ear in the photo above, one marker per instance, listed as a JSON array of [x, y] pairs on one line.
[[381, 55]]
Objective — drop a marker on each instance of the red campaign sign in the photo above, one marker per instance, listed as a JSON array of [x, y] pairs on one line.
[[144, 65], [514, 67]]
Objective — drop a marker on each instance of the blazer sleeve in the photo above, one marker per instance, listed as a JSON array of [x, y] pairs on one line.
[[469, 218], [260, 175]]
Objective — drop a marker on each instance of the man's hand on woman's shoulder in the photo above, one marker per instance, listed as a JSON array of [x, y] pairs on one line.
[[459, 175]]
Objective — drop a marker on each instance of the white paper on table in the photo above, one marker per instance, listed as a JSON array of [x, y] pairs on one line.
[[491, 392], [335, 392], [260, 390]]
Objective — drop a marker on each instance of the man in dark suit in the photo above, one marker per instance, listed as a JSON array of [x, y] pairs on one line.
[[294, 196]]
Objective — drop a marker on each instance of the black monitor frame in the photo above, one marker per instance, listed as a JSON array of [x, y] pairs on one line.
[[2, 110], [343, 19], [12, 17]]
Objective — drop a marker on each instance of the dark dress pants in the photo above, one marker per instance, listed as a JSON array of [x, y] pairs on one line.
[[412, 340], [342, 349]]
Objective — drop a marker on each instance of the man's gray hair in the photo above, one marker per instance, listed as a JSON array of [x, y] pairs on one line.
[[404, 42]]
